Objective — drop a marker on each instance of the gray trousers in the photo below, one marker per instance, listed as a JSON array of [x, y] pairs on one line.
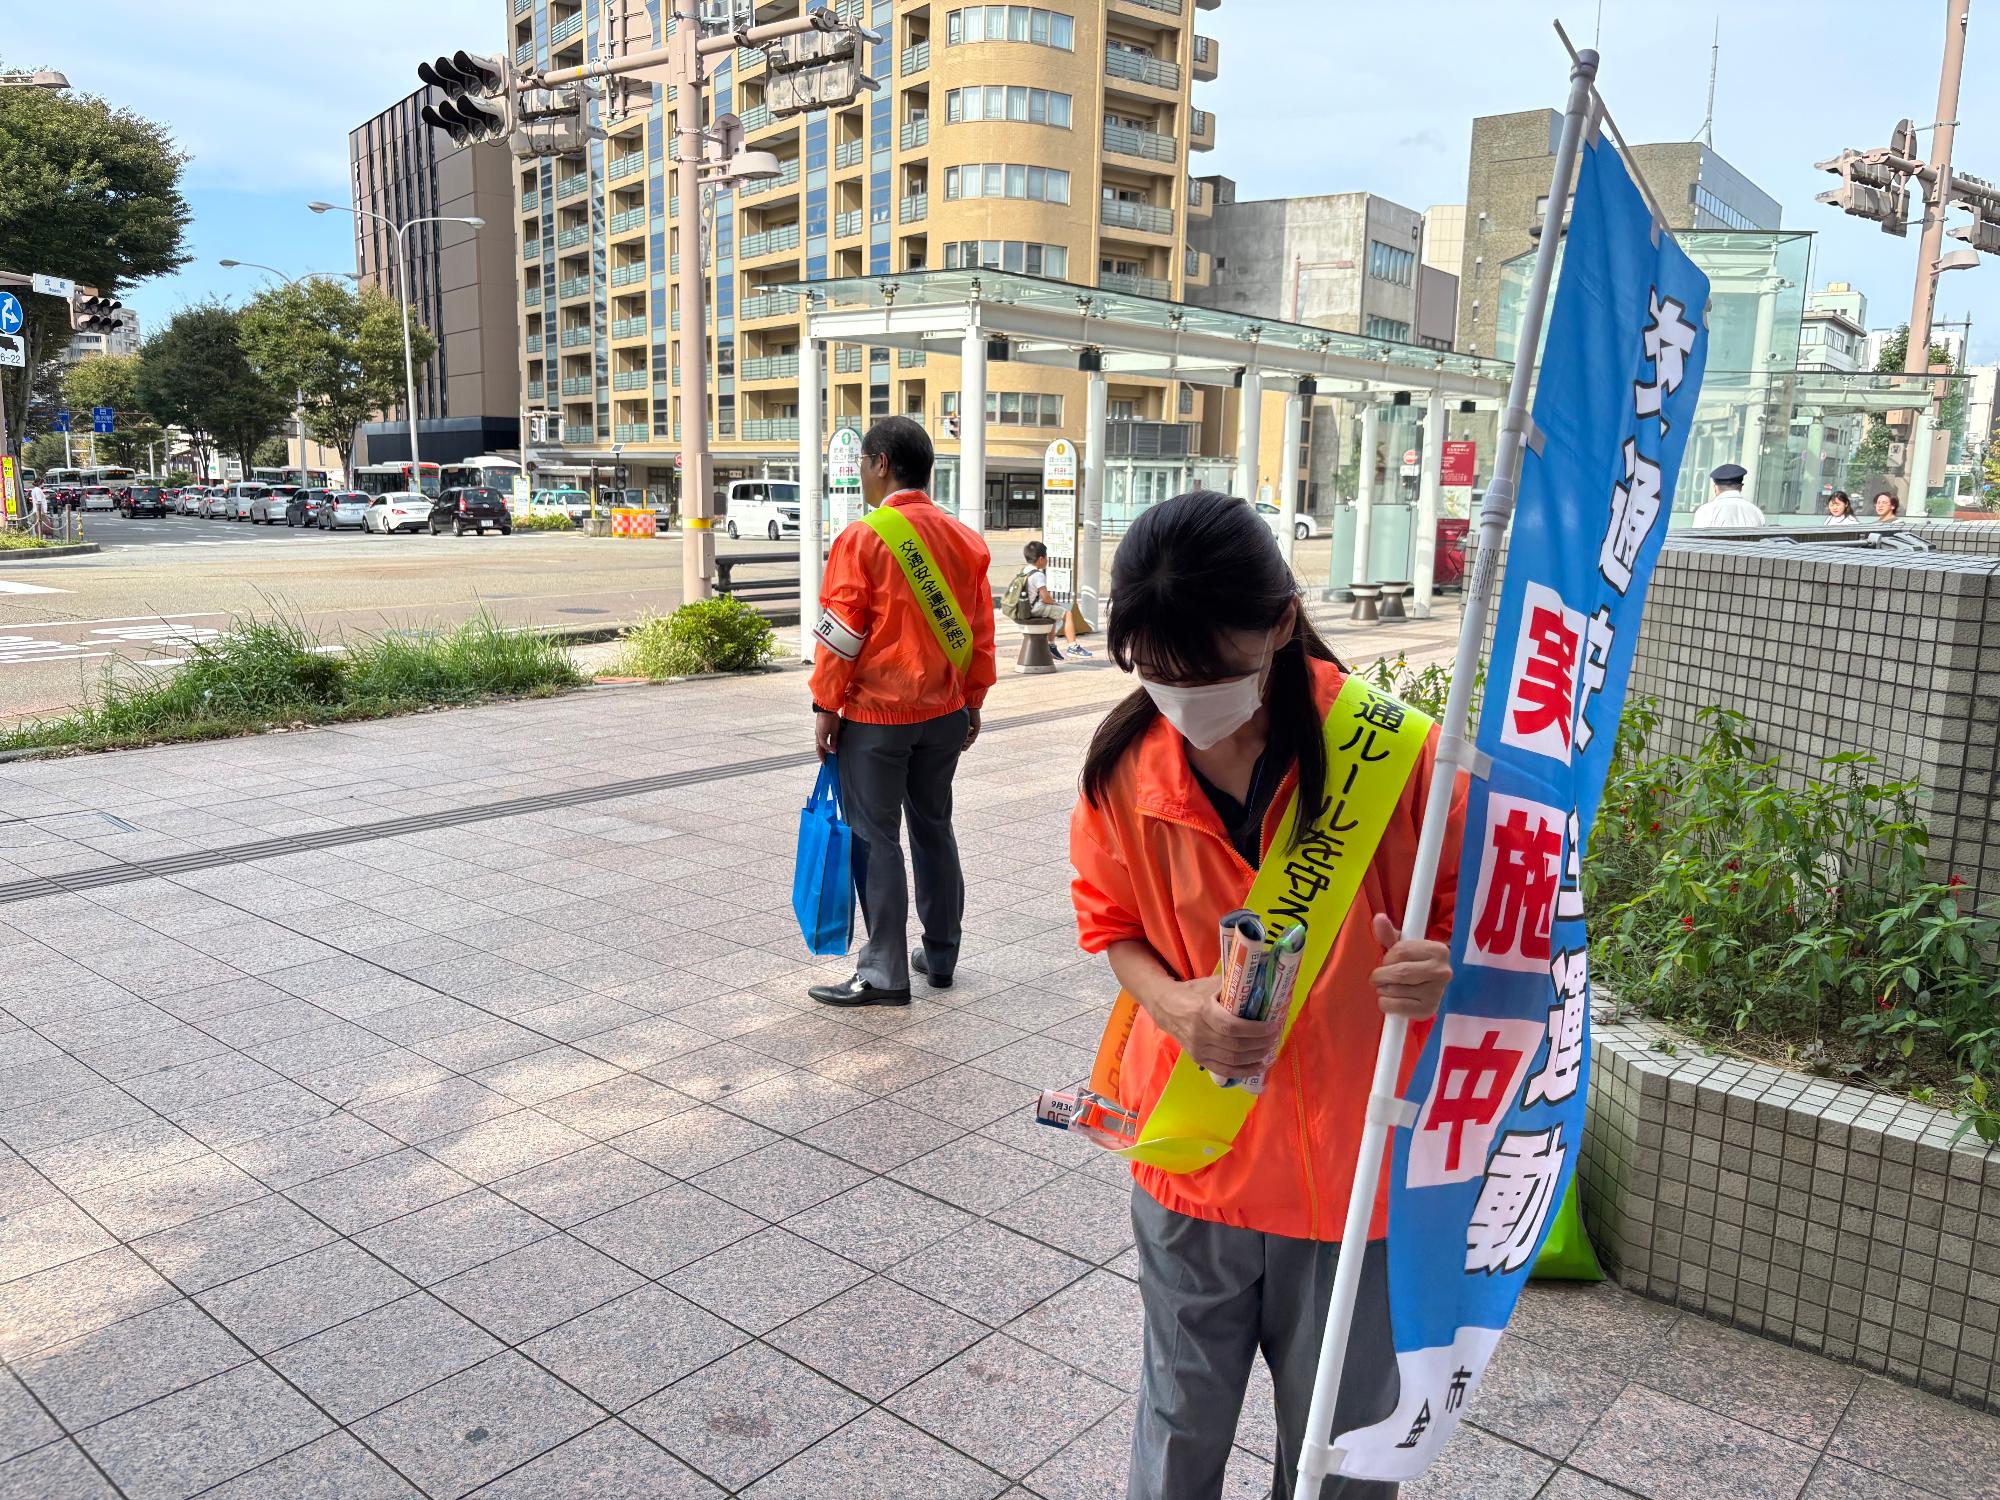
[[889, 772], [1213, 1297]]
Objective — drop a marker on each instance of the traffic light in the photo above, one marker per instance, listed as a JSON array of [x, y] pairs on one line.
[[818, 69], [476, 91], [1982, 200], [1869, 189], [549, 122], [90, 313]]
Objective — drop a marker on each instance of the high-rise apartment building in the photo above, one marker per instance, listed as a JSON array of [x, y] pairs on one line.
[[1051, 139], [1507, 191], [461, 279]]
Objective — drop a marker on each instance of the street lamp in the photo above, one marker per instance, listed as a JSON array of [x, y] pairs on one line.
[[403, 292], [44, 78], [298, 396]]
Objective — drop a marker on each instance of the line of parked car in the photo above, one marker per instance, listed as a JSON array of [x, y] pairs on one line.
[[470, 508]]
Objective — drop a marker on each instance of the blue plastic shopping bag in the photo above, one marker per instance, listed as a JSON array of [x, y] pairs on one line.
[[823, 876]]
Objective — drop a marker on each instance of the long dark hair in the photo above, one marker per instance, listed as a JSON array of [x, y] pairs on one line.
[[1189, 569]]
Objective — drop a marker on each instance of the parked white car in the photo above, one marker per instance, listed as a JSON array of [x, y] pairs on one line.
[[1303, 525], [400, 510], [762, 507], [572, 503]]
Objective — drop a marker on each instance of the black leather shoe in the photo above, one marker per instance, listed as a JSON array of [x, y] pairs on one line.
[[921, 965], [857, 991]]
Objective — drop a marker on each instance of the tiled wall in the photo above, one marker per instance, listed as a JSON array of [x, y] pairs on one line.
[[1834, 1218]]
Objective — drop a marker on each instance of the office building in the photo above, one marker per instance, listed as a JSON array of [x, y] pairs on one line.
[[1834, 333], [461, 280], [1352, 262], [1506, 195], [1051, 139]]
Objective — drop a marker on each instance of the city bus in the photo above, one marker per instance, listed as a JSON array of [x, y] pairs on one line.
[[485, 471], [111, 476], [315, 479], [396, 478]]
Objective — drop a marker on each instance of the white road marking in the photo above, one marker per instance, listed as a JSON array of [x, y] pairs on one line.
[[9, 587]]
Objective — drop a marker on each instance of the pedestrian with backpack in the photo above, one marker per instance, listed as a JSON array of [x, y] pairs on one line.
[[1028, 599]]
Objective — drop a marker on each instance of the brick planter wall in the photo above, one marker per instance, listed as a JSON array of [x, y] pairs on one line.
[[1841, 1220]]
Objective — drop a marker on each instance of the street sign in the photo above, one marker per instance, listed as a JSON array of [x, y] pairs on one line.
[[54, 286], [62, 421], [1460, 465], [101, 418], [11, 316], [1412, 463], [1059, 517], [10, 487], [843, 477], [13, 351]]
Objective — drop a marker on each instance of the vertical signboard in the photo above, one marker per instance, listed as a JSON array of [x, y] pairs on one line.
[[843, 478], [1456, 475], [10, 492], [1059, 517]]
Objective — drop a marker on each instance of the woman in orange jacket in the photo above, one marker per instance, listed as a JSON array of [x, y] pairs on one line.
[[1184, 788]]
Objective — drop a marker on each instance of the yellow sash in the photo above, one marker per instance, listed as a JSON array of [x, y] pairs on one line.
[[934, 595], [1371, 745]]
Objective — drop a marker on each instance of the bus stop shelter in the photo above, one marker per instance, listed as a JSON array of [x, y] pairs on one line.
[[972, 314]]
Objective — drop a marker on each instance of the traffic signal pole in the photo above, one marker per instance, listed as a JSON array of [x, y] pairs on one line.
[[681, 60], [1917, 357]]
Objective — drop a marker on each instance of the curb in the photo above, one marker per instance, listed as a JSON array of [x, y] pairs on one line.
[[45, 554]]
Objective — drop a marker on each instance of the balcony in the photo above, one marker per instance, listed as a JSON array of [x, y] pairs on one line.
[[1207, 57], [534, 389], [531, 296], [847, 223], [577, 385], [533, 343], [563, 30], [788, 173], [770, 242], [1198, 199], [631, 432], [576, 234], [628, 328], [1119, 214], [916, 133], [625, 166], [525, 53], [847, 360], [849, 154], [916, 59], [766, 305], [914, 209], [1137, 286], [771, 430], [1164, 7], [1201, 130], [575, 338], [579, 432], [1136, 67], [756, 117], [531, 199], [1150, 144], [522, 7], [629, 219], [749, 57], [531, 250], [629, 380], [1194, 265], [908, 359], [770, 367], [632, 275], [570, 186]]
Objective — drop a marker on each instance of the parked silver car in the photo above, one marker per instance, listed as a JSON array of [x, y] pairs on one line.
[[269, 507], [344, 508]]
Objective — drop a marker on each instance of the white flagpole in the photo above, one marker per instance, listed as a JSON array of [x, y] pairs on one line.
[[1317, 1458]]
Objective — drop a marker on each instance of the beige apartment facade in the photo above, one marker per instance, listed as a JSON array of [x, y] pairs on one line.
[[1050, 139]]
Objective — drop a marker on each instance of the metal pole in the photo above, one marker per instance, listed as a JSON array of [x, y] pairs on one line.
[[1318, 1458], [812, 491], [409, 366], [972, 426], [1249, 429], [1288, 476], [1916, 358], [1090, 538], [1423, 567], [1364, 493], [697, 494], [299, 416]]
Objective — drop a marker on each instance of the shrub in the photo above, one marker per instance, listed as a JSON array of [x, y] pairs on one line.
[[708, 635], [542, 520], [1423, 688], [21, 541], [475, 660]]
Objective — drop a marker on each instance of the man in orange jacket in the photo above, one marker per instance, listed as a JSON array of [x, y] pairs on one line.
[[905, 658]]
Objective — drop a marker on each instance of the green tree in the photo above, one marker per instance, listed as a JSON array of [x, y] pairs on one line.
[[88, 192], [113, 380], [272, 453], [44, 453], [338, 348], [194, 374], [1896, 348]]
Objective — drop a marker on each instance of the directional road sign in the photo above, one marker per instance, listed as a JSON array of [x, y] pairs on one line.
[[62, 421], [13, 351], [10, 313], [100, 418], [54, 286]]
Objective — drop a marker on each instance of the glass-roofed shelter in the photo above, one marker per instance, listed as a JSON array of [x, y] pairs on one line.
[[1276, 386]]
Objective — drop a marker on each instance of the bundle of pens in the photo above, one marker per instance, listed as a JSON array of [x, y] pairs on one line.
[[1260, 964]]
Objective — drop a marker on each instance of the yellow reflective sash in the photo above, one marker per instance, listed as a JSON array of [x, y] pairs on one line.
[[934, 596], [1371, 745]]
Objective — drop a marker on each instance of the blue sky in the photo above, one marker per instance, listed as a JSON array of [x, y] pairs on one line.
[[1314, 96]]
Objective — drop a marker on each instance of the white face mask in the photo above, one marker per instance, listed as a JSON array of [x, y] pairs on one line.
[[1209, 713]]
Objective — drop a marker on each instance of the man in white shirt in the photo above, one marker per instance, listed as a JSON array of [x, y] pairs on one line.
[[1726, 506], [1046, 605]]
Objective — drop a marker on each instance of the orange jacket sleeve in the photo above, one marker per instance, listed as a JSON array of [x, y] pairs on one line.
[[844, 622], [982, 670], [1107, 907]]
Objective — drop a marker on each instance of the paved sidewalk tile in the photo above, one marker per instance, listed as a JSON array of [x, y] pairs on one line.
[[477, 1424], [182, 1444]]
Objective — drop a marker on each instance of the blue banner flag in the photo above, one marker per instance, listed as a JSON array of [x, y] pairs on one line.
[[1497, 1093]]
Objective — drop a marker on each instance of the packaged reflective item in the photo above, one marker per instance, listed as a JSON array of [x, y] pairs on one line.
[[1243, 949], [1278, 978], [1089, 1115]]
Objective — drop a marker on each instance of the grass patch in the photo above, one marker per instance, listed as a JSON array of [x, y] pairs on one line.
[[709, 635], [260, 674], [20, 541]]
